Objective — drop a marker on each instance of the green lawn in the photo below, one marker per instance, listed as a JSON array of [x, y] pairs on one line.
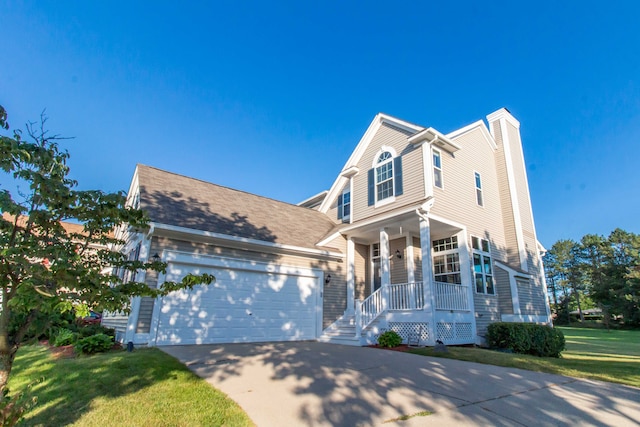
[[144, 388], [591, 353]]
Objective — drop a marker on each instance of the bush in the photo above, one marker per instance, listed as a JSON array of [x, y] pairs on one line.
[[94, 344], [526, 338], [389, 339], [64, 337], [89, 330]]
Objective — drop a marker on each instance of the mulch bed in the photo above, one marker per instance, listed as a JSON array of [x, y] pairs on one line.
[[62, 352], [403, 348]]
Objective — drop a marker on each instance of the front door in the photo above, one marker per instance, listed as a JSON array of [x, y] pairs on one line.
[[377, 274]]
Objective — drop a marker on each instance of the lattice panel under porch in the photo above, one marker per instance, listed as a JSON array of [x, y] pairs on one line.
[[449, 332], [411, 330]]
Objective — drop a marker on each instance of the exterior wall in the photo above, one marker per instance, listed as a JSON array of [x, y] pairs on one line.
[[511, 242], [362, 277], [332, 213], [412, 173], [503, 289], [487, 311], [398, 266], [334, 293], [417, 259], [116, 321]]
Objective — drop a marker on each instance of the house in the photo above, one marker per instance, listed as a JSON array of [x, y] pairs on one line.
[[426, 234]]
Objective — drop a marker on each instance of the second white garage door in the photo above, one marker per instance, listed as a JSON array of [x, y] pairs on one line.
[[241, 306]]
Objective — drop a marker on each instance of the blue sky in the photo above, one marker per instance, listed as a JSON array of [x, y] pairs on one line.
[[272, 97]]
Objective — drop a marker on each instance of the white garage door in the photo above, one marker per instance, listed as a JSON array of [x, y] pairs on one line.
[[241, 306]]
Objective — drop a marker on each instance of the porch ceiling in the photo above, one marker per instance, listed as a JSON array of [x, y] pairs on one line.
[[398, 226]]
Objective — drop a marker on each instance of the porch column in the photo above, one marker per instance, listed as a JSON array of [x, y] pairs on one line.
[[385, 266], [351, 289], [411, 267], [427, 277], [427, 263]]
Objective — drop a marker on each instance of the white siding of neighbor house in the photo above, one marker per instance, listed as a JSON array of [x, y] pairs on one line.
[[334, 293]]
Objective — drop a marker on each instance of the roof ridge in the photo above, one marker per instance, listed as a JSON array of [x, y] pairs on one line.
[[229, 188]]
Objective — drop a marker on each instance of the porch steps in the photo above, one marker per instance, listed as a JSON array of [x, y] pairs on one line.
[[342, 331]]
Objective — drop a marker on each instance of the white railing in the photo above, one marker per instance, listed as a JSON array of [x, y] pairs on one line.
[[406, 296], [452, 296], [369, 309]]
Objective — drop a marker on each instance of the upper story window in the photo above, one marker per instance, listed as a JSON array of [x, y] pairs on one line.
[[344, 204], [482, 266], [478, 180], [385, 178], [437, 168]]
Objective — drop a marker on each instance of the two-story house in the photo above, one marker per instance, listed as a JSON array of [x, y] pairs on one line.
[[426, 234]]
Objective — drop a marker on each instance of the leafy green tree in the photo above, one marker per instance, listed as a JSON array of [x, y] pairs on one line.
[[567, 275], [46, 268]]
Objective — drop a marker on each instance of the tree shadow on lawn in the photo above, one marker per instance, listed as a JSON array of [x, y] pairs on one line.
[[70, 385]]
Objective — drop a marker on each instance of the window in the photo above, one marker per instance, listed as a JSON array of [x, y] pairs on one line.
[[437, 169], [344, 204], [482, 266], [446, 265], [478, 189], [445, 244], [446, 268], [385, 178]]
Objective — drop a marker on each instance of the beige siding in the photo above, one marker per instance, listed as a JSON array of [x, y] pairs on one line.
[[487, 311], [511, 242], [334, 293], [503, 289], [362, 281], [332, 213], [457, 200], [412, 168], [417, 259], [398, 266]]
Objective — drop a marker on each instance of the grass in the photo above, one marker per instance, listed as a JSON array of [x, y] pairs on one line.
[[144, 388], [591, 353]]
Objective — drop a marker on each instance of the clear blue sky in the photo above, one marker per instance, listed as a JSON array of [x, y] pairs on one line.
[[272, 97]]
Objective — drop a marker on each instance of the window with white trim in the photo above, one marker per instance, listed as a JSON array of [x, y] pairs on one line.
[[446, 264], [384, 176], [478, 180], [344, 204], [482, 266], [437, 168]]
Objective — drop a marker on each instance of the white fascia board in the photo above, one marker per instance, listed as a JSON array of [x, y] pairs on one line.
[[377, 219], [503, 113], [483, 129], [348, 173], [243, 242], [320, 194], [133, 187], [328, 239], [359, 152], [434, 137]]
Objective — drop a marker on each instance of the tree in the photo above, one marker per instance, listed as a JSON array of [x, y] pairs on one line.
[[46, 268], [564, 271]]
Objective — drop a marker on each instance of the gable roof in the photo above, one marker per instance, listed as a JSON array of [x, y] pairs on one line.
[[177, 200]]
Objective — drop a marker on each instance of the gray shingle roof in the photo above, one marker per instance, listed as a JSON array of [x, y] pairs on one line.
[[181, 201]]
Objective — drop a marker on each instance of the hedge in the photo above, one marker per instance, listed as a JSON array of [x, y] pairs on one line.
[[526, 338]]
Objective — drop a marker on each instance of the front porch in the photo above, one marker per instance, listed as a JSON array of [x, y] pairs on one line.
[[410, 274]]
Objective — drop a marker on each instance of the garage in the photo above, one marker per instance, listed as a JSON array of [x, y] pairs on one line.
[[249, 302]]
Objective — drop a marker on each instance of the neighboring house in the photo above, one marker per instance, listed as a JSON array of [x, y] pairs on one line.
[[426, 234]]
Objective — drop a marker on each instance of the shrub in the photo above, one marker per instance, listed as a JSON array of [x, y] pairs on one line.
[[94, 344], [389, 339], [526, 338], [88, 330], [64, 337]]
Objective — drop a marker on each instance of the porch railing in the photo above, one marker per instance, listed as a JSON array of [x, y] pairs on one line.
[[406, 296], [451, 296]]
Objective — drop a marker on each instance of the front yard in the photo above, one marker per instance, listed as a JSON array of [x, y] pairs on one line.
[[591, 353], [144, 388]]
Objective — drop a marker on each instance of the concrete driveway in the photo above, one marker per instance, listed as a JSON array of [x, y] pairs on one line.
[[315, 384]]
